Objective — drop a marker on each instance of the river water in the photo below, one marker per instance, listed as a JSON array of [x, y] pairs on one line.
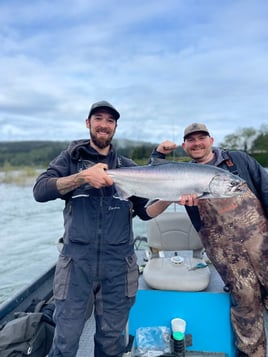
[[28, 234]]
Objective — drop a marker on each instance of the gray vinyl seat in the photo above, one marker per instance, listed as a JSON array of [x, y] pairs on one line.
[[174, 255]]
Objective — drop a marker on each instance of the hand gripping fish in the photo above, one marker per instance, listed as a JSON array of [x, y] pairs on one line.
[[168, 181]]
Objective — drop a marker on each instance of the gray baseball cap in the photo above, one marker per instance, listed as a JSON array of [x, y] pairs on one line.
[[106, 105], [194, 128]]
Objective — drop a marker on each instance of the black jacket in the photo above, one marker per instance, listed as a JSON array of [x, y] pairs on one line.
[[78, 156], [95, 217]]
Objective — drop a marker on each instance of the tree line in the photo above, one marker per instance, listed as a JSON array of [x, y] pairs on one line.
[[39, 153], [250, 140]]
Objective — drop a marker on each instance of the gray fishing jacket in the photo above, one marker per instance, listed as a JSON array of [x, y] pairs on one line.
[[245, 166]]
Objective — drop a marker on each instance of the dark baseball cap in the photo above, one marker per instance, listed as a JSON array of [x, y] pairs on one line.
[[105, 105], [194, 128]]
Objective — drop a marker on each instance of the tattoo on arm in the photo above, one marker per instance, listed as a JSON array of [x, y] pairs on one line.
[[68, 184]]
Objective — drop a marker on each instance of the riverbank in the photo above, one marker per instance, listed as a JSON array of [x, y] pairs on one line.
[[22, 177]]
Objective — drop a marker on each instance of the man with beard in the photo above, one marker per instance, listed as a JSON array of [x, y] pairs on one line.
[[234, 232], [97, 265]]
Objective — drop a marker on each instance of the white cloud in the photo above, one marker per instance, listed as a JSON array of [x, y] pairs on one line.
[[163, 64]]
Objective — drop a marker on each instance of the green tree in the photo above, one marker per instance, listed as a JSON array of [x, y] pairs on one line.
[[241, 140], [142, 151], [260, 146]]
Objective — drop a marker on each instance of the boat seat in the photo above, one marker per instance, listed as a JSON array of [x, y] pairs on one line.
[[175, 255]]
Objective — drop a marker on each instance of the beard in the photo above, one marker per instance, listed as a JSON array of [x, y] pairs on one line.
[[101, 143]]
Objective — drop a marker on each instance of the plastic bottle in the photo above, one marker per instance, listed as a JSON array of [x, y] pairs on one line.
[[178, 344]]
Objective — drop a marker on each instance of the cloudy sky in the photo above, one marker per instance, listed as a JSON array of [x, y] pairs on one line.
[[162, 64]]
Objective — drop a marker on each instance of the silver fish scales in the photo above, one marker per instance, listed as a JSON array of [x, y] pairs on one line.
[[168, 181]]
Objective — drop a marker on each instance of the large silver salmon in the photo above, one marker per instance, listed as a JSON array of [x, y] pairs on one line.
[[168, 181]]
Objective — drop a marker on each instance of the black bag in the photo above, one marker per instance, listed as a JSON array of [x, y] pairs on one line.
[[29, 333]]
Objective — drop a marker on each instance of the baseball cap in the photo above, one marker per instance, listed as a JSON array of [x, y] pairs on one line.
[[195, 127], [106, 105]]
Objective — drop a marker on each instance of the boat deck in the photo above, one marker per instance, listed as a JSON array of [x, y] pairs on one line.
[[215, 286], [87, 339], [158, 305]]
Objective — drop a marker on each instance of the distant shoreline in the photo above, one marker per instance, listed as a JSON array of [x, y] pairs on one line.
[[19, 176]]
